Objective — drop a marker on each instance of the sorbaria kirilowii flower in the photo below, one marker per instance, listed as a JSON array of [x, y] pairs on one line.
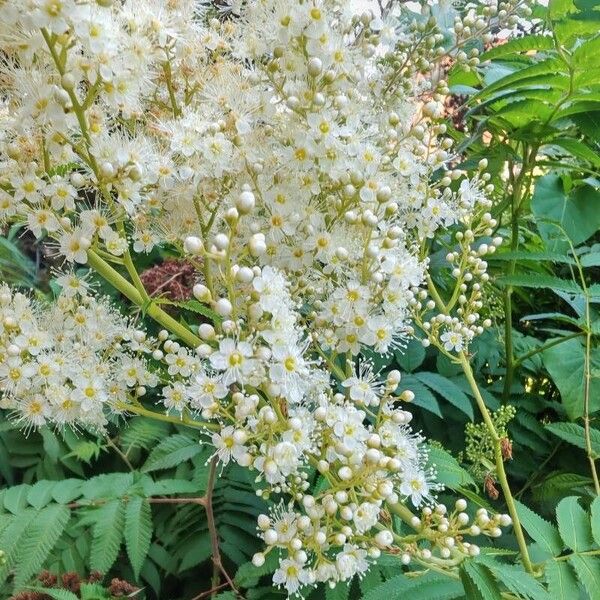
[[282, 149]]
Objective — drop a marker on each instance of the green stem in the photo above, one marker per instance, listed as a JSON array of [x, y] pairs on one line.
[[500, 471], [129, 291], [183, 420]]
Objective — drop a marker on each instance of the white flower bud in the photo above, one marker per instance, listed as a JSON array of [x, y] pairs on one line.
[[245, 202], [201, 293], [315, 66], [270, 537], [258, 560], [384, 538], [193, 245], [223, 307]]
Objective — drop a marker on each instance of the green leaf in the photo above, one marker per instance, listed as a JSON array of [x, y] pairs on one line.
[[540, 530], [565, 362], [595, 512], [574, 524], [516, 580], [172, 452], [412, 356], [142, 432], [483, 580], [522, 77], [41, 493], [93, 591], [448, 390], [429, 585], [592, 259], [535, 280], [38, 541], [588, 572], [524, 44], [562, 583], [138, 531], [578, 149], [449, 472], [196, 307], [15, 498], [107, 534], [524, 255], [423, 397], [575, 434], [577, 212], [56, 594]]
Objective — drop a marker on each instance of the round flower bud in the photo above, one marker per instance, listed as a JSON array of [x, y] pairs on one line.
[[270, 537], [193, 245], [206, 331], [257, 244], [461, 505], [221, 241], [201, 293], [315, 66], [263, 521], [345, 473], [245, 275], [245, 202], [384, 538], [223, 307], [258, 560]]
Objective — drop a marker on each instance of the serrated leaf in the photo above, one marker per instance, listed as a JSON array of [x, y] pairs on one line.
[[575, 434], [588, 572], [595, 520], [574, 524], [56, 594], [138, 531], [429, 585], [524, 44], [449, 472], [107, 534], [562, 583], [40, 494], [516, 579], [67, 491], [524, 255], [423, 397], [448, 390], [38, 541], [15, 498], [483, 580], [171, 452], [540, 530], [538, 281]]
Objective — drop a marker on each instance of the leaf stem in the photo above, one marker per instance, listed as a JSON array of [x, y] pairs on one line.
[[501, 472], [129, 291]]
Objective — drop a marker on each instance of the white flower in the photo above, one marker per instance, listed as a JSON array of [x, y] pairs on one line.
[[453, 341], [366, 516], [415, 486], [226, 445], [292, 575], [234, 359]]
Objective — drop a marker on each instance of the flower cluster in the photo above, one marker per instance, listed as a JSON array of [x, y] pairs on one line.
[[277, 153], [66, 362]]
